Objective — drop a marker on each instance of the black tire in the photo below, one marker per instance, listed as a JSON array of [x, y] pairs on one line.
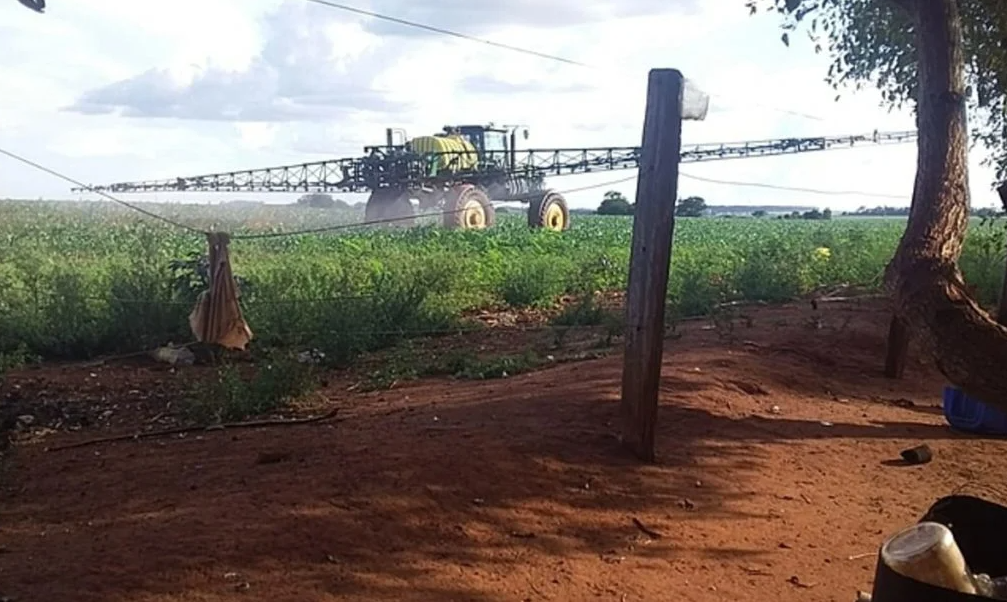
[[468, 208], [549, 212], [389, 207]]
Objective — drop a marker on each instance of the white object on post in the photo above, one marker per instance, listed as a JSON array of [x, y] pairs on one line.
[[695, 103]]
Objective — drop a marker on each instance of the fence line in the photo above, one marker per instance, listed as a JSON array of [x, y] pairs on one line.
[[405, 333]]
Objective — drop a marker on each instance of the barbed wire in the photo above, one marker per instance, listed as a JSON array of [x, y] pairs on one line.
[[406, 333], [431, 214], [445, 32], [391, 220], [792, 188], [518, 49], [79, 184]]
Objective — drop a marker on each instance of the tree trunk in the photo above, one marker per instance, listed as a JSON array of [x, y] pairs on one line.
[[897, 354], [970, 348], [1002, 306]]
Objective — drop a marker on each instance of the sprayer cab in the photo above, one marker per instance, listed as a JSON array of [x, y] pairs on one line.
[[496, 145]]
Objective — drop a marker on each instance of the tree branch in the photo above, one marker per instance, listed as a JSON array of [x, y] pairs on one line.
[[193, 429]]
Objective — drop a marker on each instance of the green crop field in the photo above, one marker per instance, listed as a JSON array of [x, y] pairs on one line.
[[77, 280]]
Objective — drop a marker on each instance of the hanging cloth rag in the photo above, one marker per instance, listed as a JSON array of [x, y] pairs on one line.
[[217, 316]]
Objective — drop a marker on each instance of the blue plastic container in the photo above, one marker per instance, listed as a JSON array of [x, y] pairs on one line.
[[969, 414]]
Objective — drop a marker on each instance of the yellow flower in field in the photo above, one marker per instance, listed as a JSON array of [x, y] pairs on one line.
[[823, 253]]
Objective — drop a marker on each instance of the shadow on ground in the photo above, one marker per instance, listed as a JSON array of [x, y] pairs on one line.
[[462, 491]]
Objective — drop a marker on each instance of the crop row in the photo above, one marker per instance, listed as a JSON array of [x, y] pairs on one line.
[[81, 280]]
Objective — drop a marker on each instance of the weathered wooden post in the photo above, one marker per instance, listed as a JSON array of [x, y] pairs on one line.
[[670, 99]]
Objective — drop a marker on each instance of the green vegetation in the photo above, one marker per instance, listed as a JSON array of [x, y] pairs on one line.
[[82, 280], [232, 396], [693, 206], [615, 203]]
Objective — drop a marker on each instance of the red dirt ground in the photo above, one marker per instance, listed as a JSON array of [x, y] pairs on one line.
[[776, 480]]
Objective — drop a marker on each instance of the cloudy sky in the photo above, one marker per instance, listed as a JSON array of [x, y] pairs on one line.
[[112, 90]]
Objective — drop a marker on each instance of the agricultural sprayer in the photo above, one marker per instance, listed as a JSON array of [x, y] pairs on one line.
[[464, 170]]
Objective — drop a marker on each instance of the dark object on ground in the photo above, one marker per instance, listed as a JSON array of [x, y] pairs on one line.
[[978, 526], [920, 454], [36, 5]]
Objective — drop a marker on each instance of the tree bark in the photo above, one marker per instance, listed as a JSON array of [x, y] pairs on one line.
[[969, 347], [1002, 302], [897, 354]]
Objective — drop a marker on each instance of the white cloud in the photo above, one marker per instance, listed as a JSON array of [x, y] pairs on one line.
[[111, 90]]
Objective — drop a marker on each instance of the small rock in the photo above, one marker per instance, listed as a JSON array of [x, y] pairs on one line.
[[774, 410], [175, 356], [26, 420], [921, 454], [313, 356]]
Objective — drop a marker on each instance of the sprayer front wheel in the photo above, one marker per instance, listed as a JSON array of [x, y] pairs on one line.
[[468, 207], [549, 212]]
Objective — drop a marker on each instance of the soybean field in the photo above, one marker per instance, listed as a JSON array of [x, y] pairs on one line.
[[84, 279]]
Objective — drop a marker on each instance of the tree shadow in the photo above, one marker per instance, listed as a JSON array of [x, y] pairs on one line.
[[439, 490]]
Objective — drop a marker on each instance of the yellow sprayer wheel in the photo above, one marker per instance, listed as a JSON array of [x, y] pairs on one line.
[[549, 212], [468, 207]]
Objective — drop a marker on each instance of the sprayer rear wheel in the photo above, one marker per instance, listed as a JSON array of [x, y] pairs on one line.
[[468, 207], [389, 207], [549, 212]]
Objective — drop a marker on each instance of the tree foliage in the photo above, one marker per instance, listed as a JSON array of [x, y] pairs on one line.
[[871, 42], [692, 206], [615, 203], [320, 200]]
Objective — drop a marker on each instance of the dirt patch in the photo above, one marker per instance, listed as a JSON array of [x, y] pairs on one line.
[[774, 481]]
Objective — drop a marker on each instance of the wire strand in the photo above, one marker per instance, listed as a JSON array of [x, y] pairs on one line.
[[390, 220], [552, 57], [793, 188], [446, 32], [357, 224], [79, 184]]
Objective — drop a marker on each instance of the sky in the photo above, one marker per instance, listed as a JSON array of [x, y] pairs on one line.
[[116, 90]]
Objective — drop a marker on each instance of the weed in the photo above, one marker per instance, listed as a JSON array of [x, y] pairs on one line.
[[406, 363], [535, 282], [465, 366], [232, 396]]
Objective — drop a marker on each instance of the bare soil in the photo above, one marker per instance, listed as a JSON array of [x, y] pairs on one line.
[[777, 478]]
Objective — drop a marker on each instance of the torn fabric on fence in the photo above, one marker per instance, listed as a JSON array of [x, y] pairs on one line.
[[217, 317]]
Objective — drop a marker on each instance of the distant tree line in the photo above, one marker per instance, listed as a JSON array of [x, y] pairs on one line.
[[616, 203], [320, 200], [886, 211], [814, 214], [878, 212]]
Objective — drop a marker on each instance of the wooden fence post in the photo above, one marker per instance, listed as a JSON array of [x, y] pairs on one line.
[[668, 102]]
